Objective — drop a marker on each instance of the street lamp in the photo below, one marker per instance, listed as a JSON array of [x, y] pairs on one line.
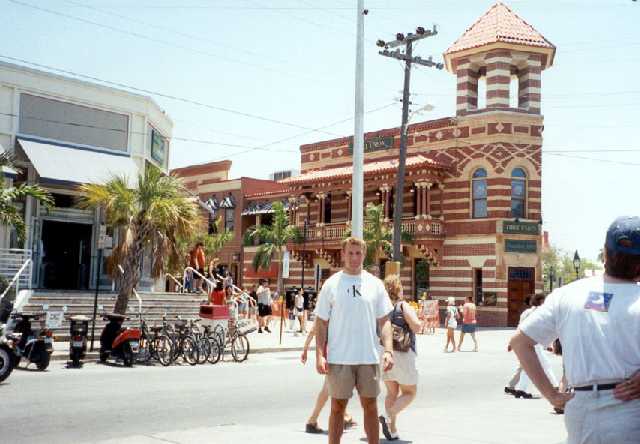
[[304, 246], [576, 264]]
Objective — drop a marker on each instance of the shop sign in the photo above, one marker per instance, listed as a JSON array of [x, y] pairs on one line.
[[158, 147], [520, 228], [520, 246], [375, 144]]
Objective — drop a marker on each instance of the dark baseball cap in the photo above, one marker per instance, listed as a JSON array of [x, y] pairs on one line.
[[623, 235]]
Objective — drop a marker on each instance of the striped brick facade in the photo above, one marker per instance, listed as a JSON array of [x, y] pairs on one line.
[[466, 254]]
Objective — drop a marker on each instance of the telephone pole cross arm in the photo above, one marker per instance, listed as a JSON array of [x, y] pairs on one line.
[[407, 57]]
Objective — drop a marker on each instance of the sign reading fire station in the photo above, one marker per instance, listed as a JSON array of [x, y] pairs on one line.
[[520, 228]]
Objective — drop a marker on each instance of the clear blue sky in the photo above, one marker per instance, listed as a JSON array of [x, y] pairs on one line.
[[292, 61]]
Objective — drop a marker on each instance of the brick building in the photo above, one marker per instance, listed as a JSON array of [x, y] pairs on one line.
[[472, 197]]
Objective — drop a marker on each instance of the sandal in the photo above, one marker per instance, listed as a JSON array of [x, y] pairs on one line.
[[313, 429]]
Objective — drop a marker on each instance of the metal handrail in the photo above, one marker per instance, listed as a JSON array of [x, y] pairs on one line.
[[14, 280], [177, 282], [212, 284]]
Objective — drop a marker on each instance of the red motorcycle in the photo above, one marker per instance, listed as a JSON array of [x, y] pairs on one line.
[[118, 342]]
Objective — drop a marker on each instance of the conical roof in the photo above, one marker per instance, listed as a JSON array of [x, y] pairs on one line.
[[499, 25]]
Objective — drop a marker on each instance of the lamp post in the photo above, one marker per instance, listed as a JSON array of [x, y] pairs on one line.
[[576, 264], [304, 246]]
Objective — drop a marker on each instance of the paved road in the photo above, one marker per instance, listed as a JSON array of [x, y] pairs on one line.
[[267, 400]]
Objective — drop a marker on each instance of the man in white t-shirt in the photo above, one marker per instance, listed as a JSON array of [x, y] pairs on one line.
[[598, 323], [353, 305]]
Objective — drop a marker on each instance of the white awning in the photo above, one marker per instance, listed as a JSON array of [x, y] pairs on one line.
[[61, 163]]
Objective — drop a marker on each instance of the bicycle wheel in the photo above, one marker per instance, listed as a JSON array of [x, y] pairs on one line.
[[190, 352], [215, 349], [163, 349], [240, 348], [204, 349]]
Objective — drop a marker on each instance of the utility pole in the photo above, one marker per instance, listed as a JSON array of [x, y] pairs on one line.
[[357, 179], [406, 56]]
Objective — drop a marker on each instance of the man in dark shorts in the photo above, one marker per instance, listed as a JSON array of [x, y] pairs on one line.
[[353, 304], [264, 306]]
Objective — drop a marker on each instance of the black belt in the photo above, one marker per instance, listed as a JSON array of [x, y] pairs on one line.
[[588, 388]]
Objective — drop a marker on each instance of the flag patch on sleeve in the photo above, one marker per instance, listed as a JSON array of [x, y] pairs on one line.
[[598, 301]]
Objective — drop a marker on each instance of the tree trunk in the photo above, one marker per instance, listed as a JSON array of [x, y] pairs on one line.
[[131, 276], [281, 292]]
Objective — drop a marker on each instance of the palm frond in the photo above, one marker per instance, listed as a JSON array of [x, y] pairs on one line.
[[8, 160], [264, 256]]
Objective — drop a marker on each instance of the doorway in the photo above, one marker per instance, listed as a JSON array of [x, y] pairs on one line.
[[66, 255], [521, 286]]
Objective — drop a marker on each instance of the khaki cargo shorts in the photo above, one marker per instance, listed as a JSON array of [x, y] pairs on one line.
[[343, 378]]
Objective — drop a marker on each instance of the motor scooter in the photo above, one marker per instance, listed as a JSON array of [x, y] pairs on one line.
[[119, 342], [6, 355], [35, 345], [79, 329]]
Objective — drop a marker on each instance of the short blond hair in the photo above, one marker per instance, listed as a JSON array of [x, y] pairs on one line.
[[394, 287], [352, 240]]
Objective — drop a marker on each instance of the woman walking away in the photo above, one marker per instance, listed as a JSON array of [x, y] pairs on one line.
[[469, 323], [451, 322], [323, 396], [402, 379], [522, 388]]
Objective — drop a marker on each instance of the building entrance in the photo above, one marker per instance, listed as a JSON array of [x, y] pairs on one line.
[[521, 286], [66, 255]]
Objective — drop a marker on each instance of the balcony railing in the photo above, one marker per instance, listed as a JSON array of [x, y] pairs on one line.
[[338, 230]]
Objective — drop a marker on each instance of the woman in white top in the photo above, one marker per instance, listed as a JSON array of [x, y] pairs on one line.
[[402, 380], [451, 322]]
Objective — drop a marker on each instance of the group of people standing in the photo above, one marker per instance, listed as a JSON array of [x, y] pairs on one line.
[[365, 333]]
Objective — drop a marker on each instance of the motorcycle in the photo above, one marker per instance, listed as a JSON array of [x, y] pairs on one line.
[[79, 329], [119, 342], [33, 344], [6, 355]]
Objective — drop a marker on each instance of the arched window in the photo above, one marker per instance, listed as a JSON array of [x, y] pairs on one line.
[[518, 192], [479, 193]]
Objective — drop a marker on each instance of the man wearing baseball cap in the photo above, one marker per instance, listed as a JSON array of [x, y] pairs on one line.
[[598, 323]]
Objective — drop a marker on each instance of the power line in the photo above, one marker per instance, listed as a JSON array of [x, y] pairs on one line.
[[309, 132], [164, 95], [175, 31], [160, 41]]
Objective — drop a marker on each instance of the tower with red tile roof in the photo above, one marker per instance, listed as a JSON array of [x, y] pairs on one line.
[[502, 48]]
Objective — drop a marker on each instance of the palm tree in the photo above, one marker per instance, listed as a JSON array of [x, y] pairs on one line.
[[378, 235], [274, 239], [152, 215], [9, 214]]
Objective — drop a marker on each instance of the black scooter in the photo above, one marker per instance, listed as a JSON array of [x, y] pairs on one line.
[[34, 345]]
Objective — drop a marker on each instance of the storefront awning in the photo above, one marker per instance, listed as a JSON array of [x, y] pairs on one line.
[[59, 163]]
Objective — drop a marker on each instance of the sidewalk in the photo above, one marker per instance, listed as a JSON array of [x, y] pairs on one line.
[[258, 343]]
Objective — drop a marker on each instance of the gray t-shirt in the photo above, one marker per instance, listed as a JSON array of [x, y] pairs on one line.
[[264, 295]]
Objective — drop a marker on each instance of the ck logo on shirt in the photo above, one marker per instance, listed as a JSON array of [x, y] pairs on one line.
[[598, 301]]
